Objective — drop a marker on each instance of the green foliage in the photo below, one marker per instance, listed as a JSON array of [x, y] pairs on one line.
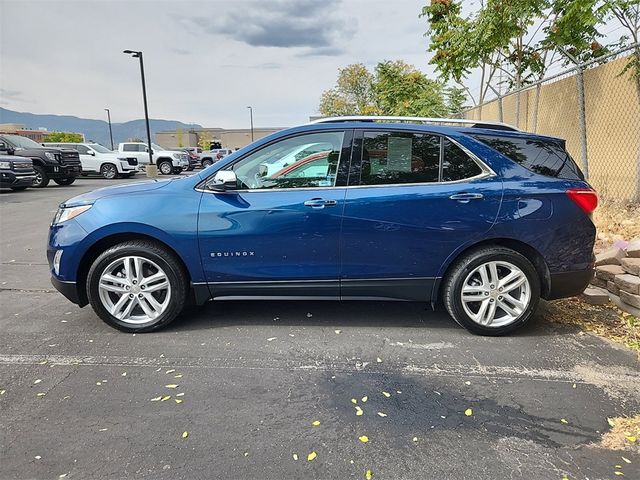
[[394, 88], [64, 137], [204, 140]]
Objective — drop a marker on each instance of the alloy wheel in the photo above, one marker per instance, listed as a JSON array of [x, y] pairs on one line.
[[166, 168], [495, 294], [109, 172], [134, 289]]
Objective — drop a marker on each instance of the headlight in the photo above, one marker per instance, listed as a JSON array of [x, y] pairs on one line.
[[176, 155], [50, 156], [64, 214], [5, 165]]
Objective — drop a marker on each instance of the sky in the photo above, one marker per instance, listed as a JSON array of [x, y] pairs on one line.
[[205, 61]]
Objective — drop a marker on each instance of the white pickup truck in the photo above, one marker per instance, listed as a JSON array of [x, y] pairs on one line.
[[168, 161], [98, 159]]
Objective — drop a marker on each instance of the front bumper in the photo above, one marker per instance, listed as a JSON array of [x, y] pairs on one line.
[[64, 171], [9, 178], [69, 290], [568, 284]]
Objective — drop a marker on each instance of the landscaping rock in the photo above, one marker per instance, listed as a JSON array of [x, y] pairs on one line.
[[630, 299], [613, 288], [631, 265], [608, 272], [628, 283], [595, 296], [610, 257], [625, 306], [598, 282], [633, 249]]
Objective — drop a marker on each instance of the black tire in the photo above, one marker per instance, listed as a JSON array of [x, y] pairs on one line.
[[65, 181], [453, 283], [207, 162], [190, 168], [162, 257], [165, 167], [108, 171], [18, 189], [42, 179], [177, 170]]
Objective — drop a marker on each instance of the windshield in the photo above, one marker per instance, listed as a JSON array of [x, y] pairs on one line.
[[22, 142], [99, 148]]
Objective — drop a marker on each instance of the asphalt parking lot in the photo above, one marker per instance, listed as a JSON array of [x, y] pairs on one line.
[[80, 400]]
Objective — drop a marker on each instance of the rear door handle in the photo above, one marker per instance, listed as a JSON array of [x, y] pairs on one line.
[[465, 197], [320, 203]]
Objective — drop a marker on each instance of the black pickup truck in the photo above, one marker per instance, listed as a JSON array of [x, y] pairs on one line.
[[60, 165], [16, 173]]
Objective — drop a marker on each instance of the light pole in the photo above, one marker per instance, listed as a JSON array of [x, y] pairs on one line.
[[251, 116], [137, 54], [110, 132]]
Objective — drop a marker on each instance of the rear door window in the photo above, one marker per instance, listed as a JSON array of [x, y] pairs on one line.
[[539, 155]]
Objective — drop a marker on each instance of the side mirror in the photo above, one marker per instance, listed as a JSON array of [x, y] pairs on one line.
[[92, 153], [223, 180]]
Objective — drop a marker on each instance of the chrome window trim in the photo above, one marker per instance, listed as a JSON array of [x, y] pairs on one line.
[[487, 172]]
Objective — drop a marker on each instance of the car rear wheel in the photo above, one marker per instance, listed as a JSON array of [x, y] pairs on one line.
[[41, 180], [64, 181], [137, 286], [492, 291], [165, 167], [206, 163], [108, 171]]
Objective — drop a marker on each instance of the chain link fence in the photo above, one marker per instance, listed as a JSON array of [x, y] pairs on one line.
[[595, 107]]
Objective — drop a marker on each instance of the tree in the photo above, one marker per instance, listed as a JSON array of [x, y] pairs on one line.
[[180, 137], [204, 140], [352, 94], [393, 88], [64, 137], [515, 39]]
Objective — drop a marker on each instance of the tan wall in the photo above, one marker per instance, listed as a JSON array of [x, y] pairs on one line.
[[612, 109], [229, 138]]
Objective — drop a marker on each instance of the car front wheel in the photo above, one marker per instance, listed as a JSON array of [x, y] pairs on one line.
[[165, 168], [137, 286], [206, 163], [42, 179], [492, 291]]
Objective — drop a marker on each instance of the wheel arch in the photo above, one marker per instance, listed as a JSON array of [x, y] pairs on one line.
[[109, 241], [532, 254]]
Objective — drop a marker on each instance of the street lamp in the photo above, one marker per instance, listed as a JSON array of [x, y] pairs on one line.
[[251, 116], [137, 54], [110, 132]]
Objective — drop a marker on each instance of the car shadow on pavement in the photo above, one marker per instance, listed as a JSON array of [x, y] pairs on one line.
[[333, 314]]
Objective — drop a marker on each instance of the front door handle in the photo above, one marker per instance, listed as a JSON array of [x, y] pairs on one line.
[[320, 203], [466, 197]]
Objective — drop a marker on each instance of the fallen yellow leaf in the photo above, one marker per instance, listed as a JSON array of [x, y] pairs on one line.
[[363, 438], [382, 414], [468, 412], [170, 371], [295, 457], [156, 399], [398, 391], [178, 401], [165, 398], [379, 360], [185, 434], [573, 386], [180, 394], [368, 475], [611, 422], [315, 423], [415, 439], [178, 376], [41, 394], [562, 420], [364, 399], [359, 411], [37, 381], [386, 394], [171, 385], [620, 474], [632, 438], [618, 466], [625, 460], [312, 456]]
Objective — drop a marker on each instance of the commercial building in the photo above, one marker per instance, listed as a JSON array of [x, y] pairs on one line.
[[227, 137], [37, 135]]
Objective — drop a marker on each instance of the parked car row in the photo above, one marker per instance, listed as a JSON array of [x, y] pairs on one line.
[[26, 163]]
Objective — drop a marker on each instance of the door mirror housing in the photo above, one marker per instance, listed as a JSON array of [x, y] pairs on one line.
[[91, 152], [223, 181]]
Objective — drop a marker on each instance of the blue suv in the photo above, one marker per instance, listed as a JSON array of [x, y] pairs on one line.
[[479, 216]]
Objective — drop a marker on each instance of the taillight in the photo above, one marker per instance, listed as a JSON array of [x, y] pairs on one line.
[[585, 198]]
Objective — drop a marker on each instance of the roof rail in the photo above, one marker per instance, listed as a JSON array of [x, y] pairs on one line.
[[437, 121]]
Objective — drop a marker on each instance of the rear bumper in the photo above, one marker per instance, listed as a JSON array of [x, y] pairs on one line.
[[568, 284], [69, 290]]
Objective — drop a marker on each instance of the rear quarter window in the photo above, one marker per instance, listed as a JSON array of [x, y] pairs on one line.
[[542, 156]]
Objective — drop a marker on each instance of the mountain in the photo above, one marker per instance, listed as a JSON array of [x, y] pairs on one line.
[[95, 130]]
